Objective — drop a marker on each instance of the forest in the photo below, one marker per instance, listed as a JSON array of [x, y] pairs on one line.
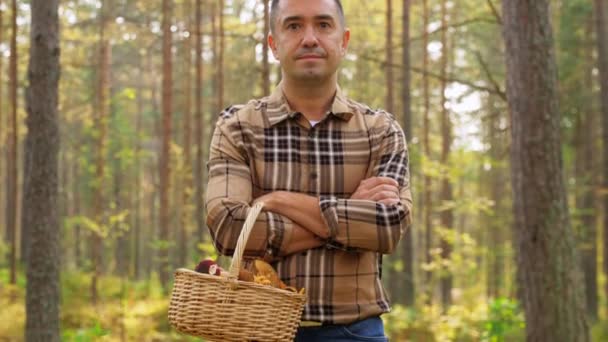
[[107, 108]]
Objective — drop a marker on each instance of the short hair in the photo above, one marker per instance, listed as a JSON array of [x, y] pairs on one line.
[[274, 7]]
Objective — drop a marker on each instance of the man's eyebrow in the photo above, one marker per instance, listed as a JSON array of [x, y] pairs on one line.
[[324, 17], [299, 18], [293, 18]]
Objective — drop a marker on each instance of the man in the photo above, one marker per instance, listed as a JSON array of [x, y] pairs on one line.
[[332, 173]]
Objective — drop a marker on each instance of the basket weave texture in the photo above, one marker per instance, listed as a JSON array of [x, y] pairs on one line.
[[222, 308]]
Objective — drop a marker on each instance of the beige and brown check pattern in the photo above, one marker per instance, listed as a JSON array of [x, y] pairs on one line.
[[264, 146]]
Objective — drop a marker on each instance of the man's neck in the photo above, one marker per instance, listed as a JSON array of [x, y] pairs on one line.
[[312, 101]]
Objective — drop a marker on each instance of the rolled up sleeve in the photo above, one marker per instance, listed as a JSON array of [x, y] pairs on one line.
[[363, 224], [229, 198]]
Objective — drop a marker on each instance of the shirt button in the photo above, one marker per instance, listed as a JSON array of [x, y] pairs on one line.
[[313, 175]]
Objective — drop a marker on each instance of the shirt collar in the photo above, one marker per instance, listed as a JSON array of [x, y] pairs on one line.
[[278, 109]]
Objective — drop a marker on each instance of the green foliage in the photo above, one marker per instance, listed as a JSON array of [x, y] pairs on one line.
[[599, 331], [207, 250], [498, 321], [139, 307], [505, 321], [135, 310], [12, 314], [85, 335], [159, 244], [5, 277], [113, 226], [4, 248]]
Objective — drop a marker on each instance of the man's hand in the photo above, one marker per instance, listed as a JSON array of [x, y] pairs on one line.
[[300, 208], [378, 189], [302, 239]]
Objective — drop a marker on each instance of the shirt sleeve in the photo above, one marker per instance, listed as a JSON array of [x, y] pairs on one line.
[[363, 224], [229, 197]]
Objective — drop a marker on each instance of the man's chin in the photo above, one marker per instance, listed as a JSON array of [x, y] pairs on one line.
[[311, 76]]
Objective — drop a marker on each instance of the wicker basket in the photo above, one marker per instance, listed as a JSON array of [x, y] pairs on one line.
[[222, 308]]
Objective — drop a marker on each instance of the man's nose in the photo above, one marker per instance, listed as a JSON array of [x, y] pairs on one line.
[[310, 37]]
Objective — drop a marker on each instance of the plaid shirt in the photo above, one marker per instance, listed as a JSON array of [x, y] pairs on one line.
[[265, 146]]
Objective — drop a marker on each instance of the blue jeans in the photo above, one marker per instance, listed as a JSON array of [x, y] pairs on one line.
[[369, 329]]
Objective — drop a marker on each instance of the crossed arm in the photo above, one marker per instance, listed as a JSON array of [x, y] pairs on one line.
[[309, 228], [373, 218]]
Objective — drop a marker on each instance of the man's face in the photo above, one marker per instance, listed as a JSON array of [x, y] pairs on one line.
[[308, 39]]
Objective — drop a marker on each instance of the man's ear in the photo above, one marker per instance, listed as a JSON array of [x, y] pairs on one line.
[[345, 40], [273, 46]]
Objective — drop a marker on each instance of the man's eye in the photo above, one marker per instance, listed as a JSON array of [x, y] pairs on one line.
[[293, 26], [325, 25]]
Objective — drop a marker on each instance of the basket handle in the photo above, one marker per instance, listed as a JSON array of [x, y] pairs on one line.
[[237, 257]]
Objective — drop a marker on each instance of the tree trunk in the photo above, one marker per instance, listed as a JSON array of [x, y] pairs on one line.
[[407, 247], [77, 211], [198, 126], [446, 216], [186, 189], [220, 56], [152, 227], [393, 276], [585, 205], [166, 141], [138, 178], [602, 56], [265, 63], [584, 175], [12, 179], [64, 201], [390, 102], [495, 241], [102, 125], [3, 177], [546, 254], [122, 240], [43, 291], [427, 150]]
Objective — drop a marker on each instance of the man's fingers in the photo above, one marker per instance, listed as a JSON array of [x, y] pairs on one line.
[[384, 187], [372, 182], [376, 189], [382, 195]]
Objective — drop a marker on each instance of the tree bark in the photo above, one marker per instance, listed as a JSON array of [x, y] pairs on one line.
[[602, 63], [446, 216], [122, 240], [546, 254], [102, 125], [12, 141], [585, 197], [393, 275], [166, 141], [186, 213], [265, 63], [138, 170], [585, 205], [390, 102], [151, 231], [427, 151], [77, 211], [198, 126], [64, 200], [407, 247], [3, 177], [42, 289], [220, 55], [495, 241]]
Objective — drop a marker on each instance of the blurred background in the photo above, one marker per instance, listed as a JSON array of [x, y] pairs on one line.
[[135, 130]]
